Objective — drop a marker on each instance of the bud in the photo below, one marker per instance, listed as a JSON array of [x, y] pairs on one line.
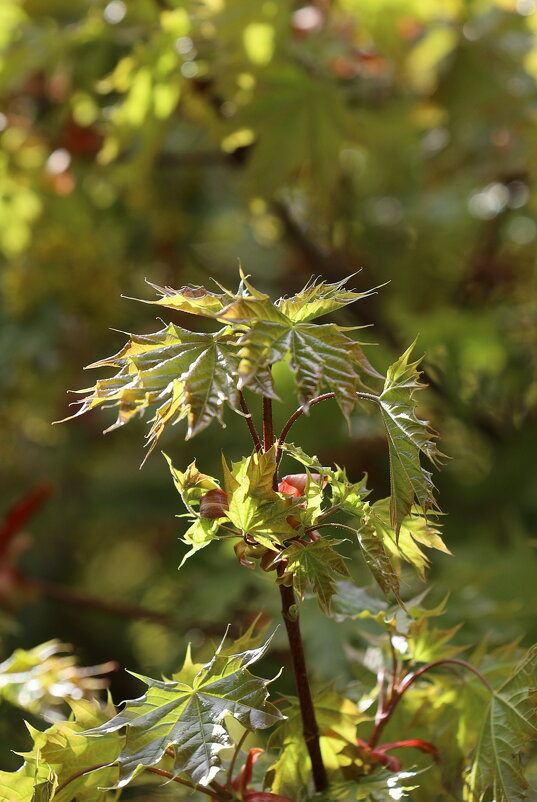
[[214, 504]]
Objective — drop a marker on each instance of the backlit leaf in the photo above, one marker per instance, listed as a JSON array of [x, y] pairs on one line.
[[254, 507], [317, 566], [376, 556], [62, 752], [319, 298], [415, 530], [408, 437]]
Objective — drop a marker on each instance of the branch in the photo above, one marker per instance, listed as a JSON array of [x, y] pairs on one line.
[[201, 788], [307, 709], [409, 680], [250, 423], [301, 410]]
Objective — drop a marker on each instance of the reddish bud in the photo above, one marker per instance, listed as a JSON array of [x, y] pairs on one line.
[[214, 504]]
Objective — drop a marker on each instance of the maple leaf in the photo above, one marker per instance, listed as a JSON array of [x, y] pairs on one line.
[[414, 530], [185, 374], [62, 752], [408, 437], [376, 556], [317, 566], [254, 507], [319, 298], [187, 713], [510, 724]]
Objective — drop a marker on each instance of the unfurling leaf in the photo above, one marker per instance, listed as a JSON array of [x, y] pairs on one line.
[[188, 713], [254, 507], [376, 556], [509, 726], [317, 566], [408, 437], [415, 530]]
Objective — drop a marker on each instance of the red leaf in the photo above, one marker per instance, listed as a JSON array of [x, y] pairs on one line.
[[244, 777], [264, 796], [21, 512]]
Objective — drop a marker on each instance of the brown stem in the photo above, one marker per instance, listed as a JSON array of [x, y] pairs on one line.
[[307, 710], [201, 788], [407, 681], [268, 429], [300, 411], [81, 774], [250, 423], [292, 625], [238, 748]]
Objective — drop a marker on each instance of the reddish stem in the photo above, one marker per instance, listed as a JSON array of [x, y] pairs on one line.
[[307, 709], [405, 684], [250, 423], [301, 410], [292, 625]]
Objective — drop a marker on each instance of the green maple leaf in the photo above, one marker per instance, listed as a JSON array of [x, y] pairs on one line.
[[414, 530], [184, 374], [188, 712], [336, 717], [510, 724], [381, 786], [317, 566], [61, 752], [408, 437], [254, 507], [319, 298], [188, 375], [376, 556]]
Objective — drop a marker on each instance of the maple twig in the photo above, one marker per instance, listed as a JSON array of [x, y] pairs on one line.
[[307, 710], [407, 681], [290, 616], [301, 410], [250, 423], [201, 788], [235, 756]]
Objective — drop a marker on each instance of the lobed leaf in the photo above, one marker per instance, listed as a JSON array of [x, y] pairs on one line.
[[510, 724], [62, 752], [413, 531], [408, 437], [317, 566], [254, 507], [376, 556], [188, 712]]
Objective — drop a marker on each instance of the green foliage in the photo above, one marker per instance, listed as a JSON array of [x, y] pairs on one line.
[[188, 714], [63, 752], [42, 679], [183, 728], [510, 724]]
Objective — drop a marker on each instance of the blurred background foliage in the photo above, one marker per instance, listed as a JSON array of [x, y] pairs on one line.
[[167, 140]]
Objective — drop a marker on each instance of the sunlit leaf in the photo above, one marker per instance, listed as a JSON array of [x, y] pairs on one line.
[[319, 298], [188, 713], [63, 752], [414, 530], [317, 566], [408, 437], [254, 507], [376, 556]]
